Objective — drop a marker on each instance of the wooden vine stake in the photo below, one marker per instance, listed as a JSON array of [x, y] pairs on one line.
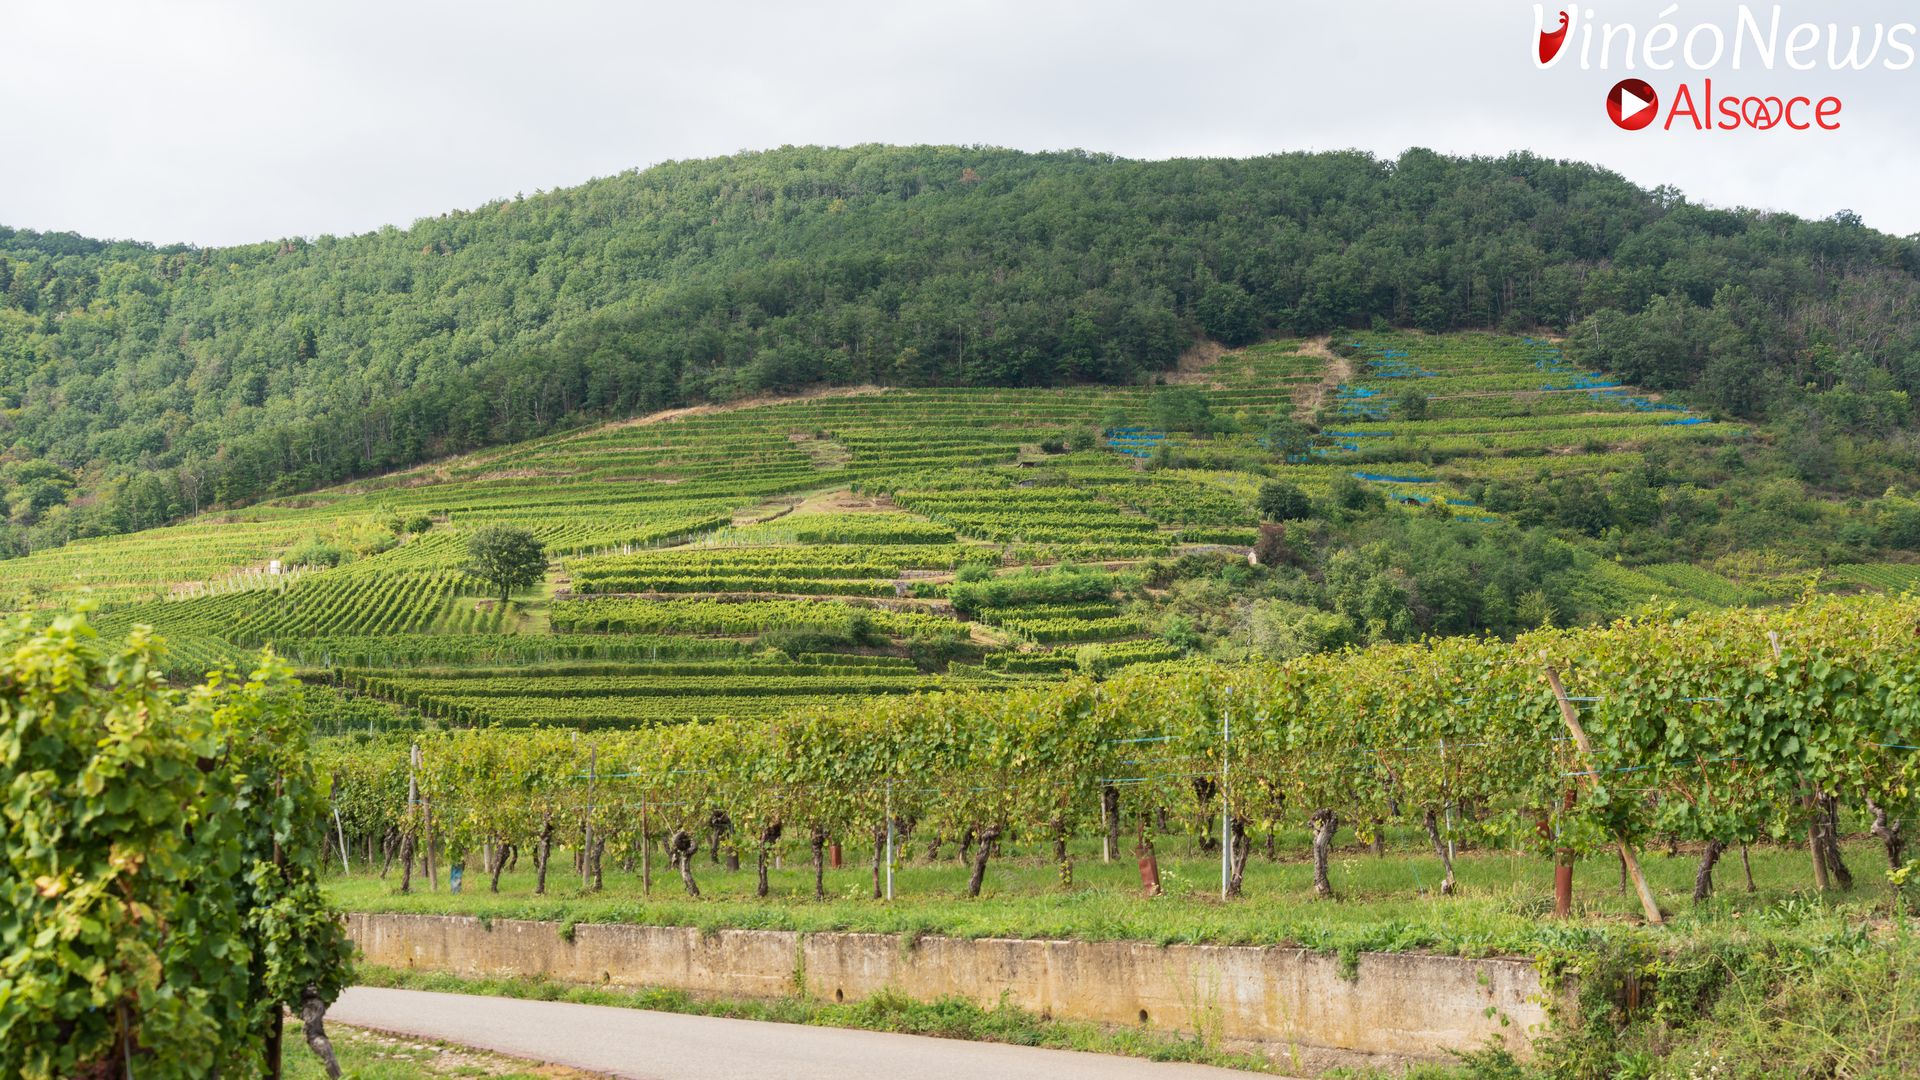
[[426, 828], [1572, 717], [586, 838]]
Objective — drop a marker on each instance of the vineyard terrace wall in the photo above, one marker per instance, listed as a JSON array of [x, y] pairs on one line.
[[1309, 1010]]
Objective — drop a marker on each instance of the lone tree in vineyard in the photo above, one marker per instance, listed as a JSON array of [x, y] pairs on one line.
[[506, 558]]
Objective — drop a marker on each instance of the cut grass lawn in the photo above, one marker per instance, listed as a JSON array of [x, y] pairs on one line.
[[1385, 903]]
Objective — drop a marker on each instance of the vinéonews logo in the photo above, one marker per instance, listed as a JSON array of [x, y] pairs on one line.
[[1753, 40]]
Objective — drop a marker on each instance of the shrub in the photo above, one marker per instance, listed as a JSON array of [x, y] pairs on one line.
[[1288, 439], [1280, 501], [1899, 523], [1061, 584], [1273, 549], [1183, 409], [1351, 494], [1179, 632], [315, 551]]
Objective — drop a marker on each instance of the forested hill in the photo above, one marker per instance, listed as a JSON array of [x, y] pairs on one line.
[[145, 382]]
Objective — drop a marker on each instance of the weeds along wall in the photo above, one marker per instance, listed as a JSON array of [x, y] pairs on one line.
[[1726, 727]]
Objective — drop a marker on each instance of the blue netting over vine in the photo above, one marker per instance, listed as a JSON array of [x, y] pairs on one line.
[[1377, 478], [1135, 441]]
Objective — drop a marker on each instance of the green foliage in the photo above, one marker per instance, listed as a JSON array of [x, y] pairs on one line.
[[1282, 630], [1354, 496], [506, 558], [713, 552], [314, 551], [853, 628], [1899, 523], [1829, 1002], [703, 616], [1182, 408], [1059, 584], [1178, 631], [1699, 730], [1279, 501], [300, 947], [973, 573], [533, 314], [120, 871], [1416, 575], [1288, 439], [160, 887], [1410, 405]]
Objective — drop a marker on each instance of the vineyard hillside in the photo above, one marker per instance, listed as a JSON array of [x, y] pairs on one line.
[[753, 561]]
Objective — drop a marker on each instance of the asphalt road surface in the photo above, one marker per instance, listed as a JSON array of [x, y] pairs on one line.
[[669, 1046]]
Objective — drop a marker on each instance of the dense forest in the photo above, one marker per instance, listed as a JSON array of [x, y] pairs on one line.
[[142, 382]]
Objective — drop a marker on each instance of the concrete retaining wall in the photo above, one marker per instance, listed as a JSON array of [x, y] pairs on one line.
[[1294, 1002]]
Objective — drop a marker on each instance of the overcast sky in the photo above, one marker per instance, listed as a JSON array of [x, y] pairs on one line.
[[214, 122]]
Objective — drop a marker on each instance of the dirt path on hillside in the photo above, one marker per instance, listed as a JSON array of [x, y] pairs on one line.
[[1339, 371], [734, 406], [1196, 364]]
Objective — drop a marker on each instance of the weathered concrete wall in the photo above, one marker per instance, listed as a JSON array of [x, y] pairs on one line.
[[1397, 1005]]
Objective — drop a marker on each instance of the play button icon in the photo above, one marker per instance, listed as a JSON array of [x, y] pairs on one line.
[[1632, 104]]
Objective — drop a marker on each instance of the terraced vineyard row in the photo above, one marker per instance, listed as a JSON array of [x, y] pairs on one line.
[[314, 606], [821, 569], [719, 617]]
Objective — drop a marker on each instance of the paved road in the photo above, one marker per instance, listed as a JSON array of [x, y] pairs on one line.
[[667, 1046]]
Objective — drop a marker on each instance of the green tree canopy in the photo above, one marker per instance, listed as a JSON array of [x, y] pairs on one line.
[[135, 393], [1280, 501], [506, 558], [1289, 439]]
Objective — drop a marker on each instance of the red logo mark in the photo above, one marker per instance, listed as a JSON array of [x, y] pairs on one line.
[[1552, 40], [1632, 104]]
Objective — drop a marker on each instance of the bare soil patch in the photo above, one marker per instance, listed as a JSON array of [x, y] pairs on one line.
[[1195, 367], [1339, 370], [742, 403], [844, 501]]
